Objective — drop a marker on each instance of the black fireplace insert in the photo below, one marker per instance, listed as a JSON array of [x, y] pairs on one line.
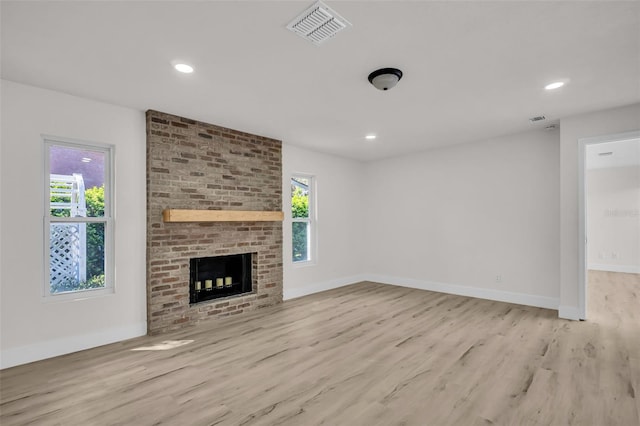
[[219, 276]]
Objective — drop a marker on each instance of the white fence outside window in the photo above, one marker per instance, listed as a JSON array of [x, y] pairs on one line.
[[68, 241]]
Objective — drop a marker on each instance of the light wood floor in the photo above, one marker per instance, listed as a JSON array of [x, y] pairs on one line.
[[366, 354]]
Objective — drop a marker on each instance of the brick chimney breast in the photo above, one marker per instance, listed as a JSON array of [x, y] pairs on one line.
[[195, 165]]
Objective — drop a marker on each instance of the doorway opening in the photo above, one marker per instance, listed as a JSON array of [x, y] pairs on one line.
[[609, 208]]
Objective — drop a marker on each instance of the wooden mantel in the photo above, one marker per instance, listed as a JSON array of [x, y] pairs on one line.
[[178, 215]]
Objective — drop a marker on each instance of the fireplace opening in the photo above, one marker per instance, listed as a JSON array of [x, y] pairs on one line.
[[219, 276]]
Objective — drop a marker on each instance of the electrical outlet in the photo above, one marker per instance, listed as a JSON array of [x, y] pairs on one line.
[[498, 278], [615, 255]]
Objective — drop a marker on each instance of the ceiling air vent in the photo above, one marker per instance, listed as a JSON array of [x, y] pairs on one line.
[[538, 119], [318, 23]]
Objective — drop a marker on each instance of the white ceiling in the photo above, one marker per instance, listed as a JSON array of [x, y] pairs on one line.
[[472, 70]]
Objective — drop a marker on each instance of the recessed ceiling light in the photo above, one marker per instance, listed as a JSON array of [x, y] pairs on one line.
[[370, 137], [554, 85], [187, 69]]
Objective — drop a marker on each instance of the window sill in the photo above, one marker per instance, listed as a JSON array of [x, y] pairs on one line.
[[303, 263], [77, 296]]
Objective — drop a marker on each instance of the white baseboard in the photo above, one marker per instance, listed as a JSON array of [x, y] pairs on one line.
[[480, 293], [569, 312], [460, 290], [292, 293], [51, 348], [627, 269]]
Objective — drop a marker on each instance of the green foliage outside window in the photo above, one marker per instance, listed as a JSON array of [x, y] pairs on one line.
[[95, 233], [60, 212], [299, 209], [299, 203], [96, 281], [94, 198]]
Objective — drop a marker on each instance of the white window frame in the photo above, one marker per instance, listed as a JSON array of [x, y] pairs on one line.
[[311, 222], [107, 219]]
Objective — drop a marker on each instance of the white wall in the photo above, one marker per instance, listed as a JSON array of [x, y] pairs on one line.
[[450, 219], [601, 123], [340, 215], [613, 225], [455, 218], [33, 328]]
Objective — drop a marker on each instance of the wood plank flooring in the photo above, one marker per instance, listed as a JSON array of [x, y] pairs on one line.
[[366, 354]]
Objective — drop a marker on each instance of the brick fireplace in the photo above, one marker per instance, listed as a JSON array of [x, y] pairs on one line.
[[199, 166]]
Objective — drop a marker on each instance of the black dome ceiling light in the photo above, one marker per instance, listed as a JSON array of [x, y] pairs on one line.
[[385, 78]]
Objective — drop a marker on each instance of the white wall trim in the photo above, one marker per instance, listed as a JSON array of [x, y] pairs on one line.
[[627, 269], [569, 312], [294, 293], [52, 348], [460, 290]]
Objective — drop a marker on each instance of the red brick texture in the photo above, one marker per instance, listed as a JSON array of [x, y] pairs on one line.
[[195, 165]]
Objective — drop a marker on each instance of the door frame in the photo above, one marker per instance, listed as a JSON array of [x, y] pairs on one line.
[[582, 209]]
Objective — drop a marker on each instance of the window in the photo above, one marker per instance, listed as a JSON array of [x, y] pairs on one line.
[[78, 223], [303, 226]]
